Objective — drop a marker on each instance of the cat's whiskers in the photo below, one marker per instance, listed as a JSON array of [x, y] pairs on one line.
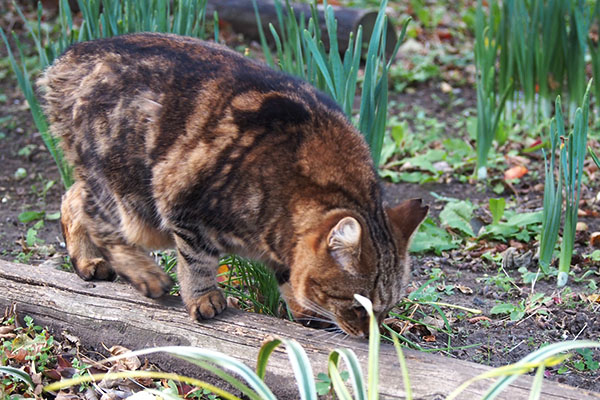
[[327, 335], [314, 307]]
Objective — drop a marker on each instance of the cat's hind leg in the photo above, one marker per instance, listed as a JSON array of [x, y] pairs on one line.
[[134, 265], [96, 228], [86, 257]]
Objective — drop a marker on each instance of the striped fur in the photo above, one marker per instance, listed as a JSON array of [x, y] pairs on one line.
[[179, 142]]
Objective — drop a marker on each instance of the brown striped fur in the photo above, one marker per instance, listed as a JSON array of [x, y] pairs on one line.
[[179, 142]]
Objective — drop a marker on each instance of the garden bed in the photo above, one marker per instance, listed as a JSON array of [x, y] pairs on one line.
[[497, 341], [472, 275]]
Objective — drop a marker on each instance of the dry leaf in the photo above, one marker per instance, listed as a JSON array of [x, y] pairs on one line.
[[7, 332], [131, 363], [395, 324], [445, 87], [143, 396], [436, 322], [475, 320], [594, 298], [429, 338], [223, 269], [595, 239], [464, 289], [111, 395], [66, 396], [581, 226], [515, 172]]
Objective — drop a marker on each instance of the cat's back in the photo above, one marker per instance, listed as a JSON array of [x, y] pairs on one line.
[[158, 107]]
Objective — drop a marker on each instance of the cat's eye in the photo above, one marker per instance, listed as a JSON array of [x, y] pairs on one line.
[[360, 312]]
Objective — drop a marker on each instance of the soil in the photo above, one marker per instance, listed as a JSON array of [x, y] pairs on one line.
[[494, 340]]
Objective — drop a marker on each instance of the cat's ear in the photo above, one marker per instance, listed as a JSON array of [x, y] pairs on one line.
[[343, 242], [407, 216]]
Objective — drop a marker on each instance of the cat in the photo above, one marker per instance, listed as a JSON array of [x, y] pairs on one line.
[[177, 142]]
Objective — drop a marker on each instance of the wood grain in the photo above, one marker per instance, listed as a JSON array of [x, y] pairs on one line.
[[113, 313]]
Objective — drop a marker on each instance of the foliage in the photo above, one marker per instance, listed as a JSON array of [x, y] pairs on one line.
[[253, 285], [489, 109], [572, 156], [301, 51], [519, 226], [542, 50], [430, 237], [552, 210], [570, 172]]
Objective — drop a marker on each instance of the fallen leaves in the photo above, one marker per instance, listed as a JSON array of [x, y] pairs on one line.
[[128, 363], [479, 318], [594, 298], [7, 331], [595, 239], [464, 289], [515, 172]]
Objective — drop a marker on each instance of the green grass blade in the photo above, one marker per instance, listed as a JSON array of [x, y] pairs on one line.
[[374, 342], [403, 368], [354, 371], [19, 374], [320, 62], [200, 357], [594, 156], [302, 370], [340, 389], [536, 386], [538, 356], [263, 356], [263, 39], [140, 374]]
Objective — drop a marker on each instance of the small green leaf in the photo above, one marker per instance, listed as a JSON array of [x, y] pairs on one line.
[[497, 209], [430, 237], [457, 215], [31, 237], [28, 216], [498, 188], [516, 315], [503, 308], [594, 256], [398, 133], [53, 216]]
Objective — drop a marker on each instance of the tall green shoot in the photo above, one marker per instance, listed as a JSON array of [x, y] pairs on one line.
[[594, 49], [575, 51], [488, 109], [524, 44], [572, 157], [552, 210]]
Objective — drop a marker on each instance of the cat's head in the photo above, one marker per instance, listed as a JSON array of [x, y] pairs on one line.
[[346, 255]]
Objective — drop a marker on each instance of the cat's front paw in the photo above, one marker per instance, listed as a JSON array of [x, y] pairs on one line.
[[207, 305], [94, 268], [152, 283]]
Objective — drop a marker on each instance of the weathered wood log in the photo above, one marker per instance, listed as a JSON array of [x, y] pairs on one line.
[[113, 313], [240, 14]]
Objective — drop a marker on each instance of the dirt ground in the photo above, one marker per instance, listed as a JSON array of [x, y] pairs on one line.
[[494, 340]]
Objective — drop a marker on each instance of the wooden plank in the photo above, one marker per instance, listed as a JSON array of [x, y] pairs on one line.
[[114, 313]]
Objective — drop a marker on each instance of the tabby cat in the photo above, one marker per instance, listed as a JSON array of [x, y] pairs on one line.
[[182, 143]]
